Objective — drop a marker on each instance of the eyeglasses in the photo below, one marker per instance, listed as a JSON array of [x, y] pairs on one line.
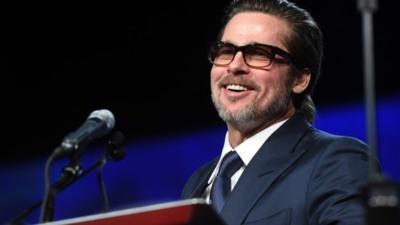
[[255, 55]]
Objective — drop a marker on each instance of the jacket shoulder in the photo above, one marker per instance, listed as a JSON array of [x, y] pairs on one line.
[[198, 177]]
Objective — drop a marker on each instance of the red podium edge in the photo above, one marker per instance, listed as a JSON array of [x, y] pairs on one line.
[[169, 213]]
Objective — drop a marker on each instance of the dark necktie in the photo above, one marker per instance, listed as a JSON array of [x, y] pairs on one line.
[[222, 184]]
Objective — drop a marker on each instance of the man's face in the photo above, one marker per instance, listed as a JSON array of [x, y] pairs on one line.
[[242, 93]]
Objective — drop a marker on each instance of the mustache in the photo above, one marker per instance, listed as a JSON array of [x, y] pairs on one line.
[[238, 80]]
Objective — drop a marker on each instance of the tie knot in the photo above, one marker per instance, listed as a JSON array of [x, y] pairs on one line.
[[230, 164]]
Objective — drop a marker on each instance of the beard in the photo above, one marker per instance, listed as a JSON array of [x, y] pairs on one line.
[[254, 111]]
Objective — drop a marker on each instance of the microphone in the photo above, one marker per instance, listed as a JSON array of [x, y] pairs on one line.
[[99, 123]]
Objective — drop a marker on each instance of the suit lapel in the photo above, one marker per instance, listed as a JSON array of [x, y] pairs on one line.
[[276, 155], [201, 182]]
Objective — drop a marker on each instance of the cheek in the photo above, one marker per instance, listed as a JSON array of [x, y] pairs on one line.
[[270, 86], [215, 75]]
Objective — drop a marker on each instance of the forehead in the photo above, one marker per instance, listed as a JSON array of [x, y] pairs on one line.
[[250, 27]]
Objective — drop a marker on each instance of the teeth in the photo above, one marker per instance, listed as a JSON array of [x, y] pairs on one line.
[[233, 87]]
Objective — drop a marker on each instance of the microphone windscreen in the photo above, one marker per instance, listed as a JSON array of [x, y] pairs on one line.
[[104, 115]]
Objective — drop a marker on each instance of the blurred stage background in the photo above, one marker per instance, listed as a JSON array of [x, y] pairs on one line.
[[147, 64]]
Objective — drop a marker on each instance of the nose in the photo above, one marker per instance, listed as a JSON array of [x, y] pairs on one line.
[[238, 65]]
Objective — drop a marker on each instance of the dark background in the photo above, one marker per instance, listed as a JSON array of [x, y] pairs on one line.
[[146, 62]]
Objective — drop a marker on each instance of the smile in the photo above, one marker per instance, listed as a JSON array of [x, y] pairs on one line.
[[236, 88]]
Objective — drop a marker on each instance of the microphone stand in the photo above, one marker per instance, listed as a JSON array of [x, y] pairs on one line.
[[60, 185], [381, 195], [69, 175], [115, 151]]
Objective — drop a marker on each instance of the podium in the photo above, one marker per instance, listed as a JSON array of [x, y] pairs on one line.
[[182, 212]]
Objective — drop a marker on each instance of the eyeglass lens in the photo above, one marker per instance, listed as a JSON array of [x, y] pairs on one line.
[[254, 55]]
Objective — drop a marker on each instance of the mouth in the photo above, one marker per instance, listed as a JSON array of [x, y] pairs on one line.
[[234, 92], [236, 84], [235, 87]]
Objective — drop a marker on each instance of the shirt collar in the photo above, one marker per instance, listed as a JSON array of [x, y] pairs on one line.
[[248, 148]]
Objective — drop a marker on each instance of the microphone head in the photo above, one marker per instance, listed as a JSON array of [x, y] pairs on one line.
[[104, 115], [98, 124]]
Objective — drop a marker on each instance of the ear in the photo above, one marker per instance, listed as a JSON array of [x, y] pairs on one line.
[[302, 81]]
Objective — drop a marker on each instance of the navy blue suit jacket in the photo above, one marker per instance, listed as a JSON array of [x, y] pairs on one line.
[[299, 176]]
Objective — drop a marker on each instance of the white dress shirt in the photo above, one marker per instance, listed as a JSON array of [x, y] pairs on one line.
[[246, 150]]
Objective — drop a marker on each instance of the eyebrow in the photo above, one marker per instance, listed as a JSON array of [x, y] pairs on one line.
[[250, 43]]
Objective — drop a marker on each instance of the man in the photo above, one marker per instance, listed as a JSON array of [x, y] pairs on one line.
[[265, 66]]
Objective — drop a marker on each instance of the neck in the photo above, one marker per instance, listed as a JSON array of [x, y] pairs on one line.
[[237, 133]]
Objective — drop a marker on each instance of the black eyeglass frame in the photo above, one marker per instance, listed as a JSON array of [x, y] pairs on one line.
[[286, 57]]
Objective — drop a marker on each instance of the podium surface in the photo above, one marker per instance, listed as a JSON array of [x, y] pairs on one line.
[[190, 211]]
